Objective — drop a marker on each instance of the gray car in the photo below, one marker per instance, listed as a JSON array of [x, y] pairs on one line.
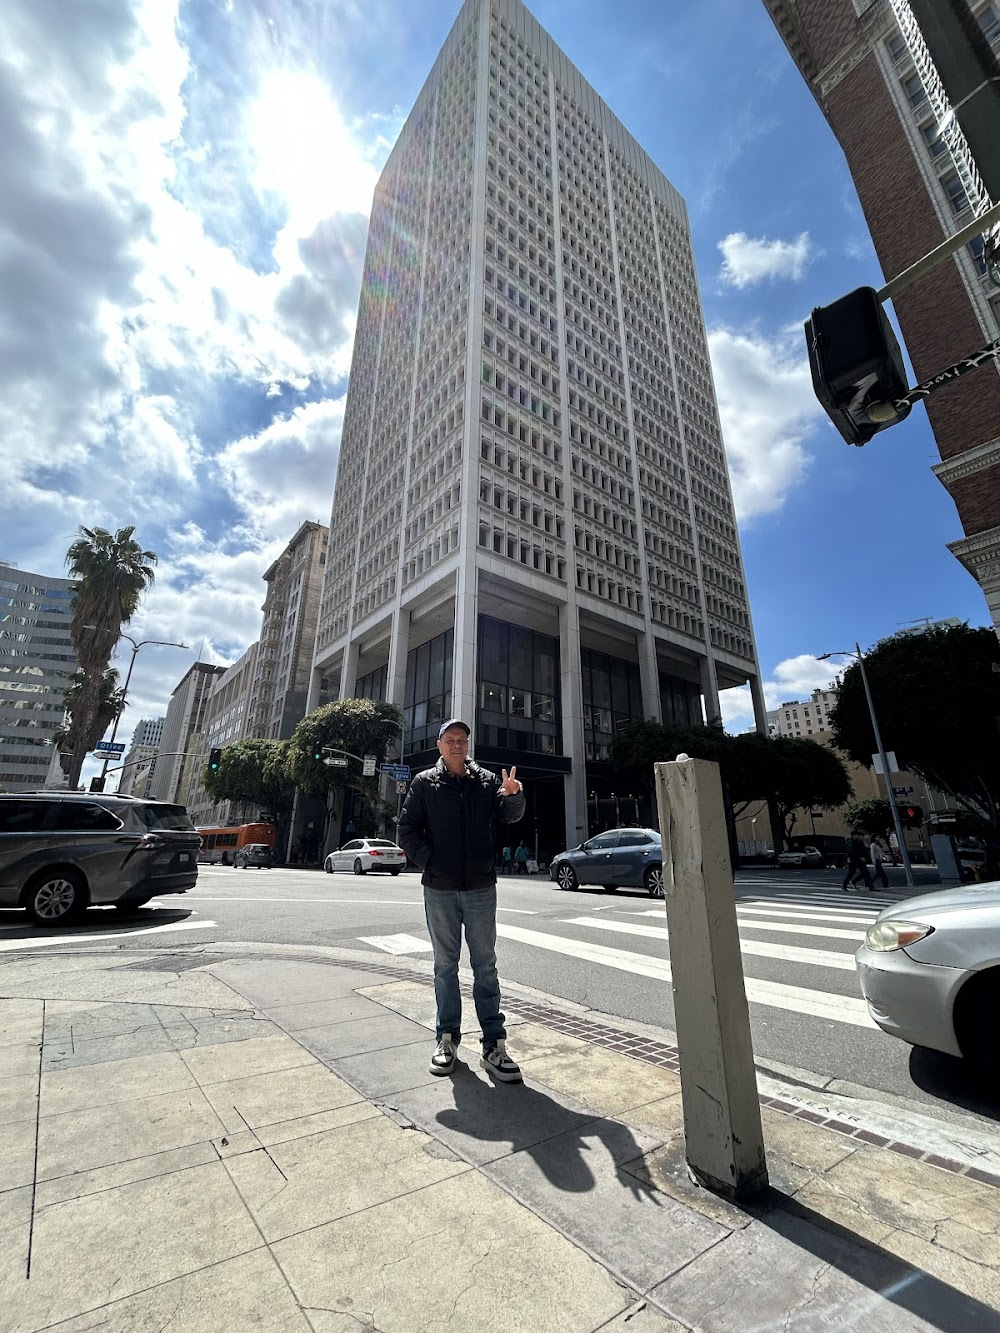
[[61, 853], [930, 971], [619, 858]]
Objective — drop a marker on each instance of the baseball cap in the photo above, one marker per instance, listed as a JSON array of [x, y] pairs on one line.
[[454, 722]]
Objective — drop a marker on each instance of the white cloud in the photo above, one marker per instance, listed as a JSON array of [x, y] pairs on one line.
[[768, 410], [792, 678], [748, 260]]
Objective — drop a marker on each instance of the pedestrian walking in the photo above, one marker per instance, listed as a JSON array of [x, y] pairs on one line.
[[522, 856], [508, 860], [857, 864], [448, 827], [878, 863]]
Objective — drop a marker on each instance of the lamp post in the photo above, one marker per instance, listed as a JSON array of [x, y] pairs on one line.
[[142, 643], [897, 825]]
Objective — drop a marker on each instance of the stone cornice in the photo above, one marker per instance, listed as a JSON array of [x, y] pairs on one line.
[[980, 554], [966, 464]]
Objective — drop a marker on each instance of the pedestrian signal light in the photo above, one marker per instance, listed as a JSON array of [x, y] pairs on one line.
[[214, 759], [857, 368], [317, 754]]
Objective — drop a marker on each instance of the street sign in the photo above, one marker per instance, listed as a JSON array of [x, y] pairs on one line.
[[400, 772], [368, 770], [400, 788], [334, 761], [109, 747], [901, 791], [877, 763]]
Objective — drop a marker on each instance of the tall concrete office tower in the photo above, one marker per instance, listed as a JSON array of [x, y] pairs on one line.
[[532, 527], [876, 84]]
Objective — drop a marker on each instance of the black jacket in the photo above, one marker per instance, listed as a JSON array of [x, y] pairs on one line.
[[448, 825]]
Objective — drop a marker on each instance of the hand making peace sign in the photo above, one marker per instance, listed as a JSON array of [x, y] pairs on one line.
[[510, 785]]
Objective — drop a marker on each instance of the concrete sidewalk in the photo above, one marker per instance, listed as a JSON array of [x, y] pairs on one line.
[[228, 1138]]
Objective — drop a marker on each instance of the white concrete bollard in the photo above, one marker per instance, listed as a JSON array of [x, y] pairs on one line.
[[724, 1141]]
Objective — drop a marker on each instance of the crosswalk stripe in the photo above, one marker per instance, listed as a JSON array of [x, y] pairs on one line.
[[822, 899], [777, 995], [788, 928], [788, 952], [854, 918], [397, 943]]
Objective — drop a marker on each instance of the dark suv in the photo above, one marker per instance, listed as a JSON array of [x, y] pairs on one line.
[[62, 852]]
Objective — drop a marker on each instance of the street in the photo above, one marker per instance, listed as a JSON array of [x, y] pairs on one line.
[[605, 951]]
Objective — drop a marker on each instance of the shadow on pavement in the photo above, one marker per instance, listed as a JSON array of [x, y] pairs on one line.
[[561, 1157], [956, 1081], [15, 924]]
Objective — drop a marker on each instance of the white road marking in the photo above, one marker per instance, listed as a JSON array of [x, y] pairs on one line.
[[397, 943], [852, 918], [829, 932], [336, 902], [777, 995], [789, 952], [34, 942]]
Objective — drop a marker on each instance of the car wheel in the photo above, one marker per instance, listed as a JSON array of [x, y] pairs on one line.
[[328, 867], [975, 1020], [609, 888], [55, 897], [130, 906], [358, 867], [394, 872], [566, 878], [653, 881]]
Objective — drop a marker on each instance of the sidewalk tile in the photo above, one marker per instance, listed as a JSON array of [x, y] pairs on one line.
[[17, 1154], [18, 1098], [191, 988], [641, 1318], [305, 1182], [84, 1086], [337, 1040], [460, 1254], [268, 982], [127, 1239], [608, 1083], [248, 1292], [308, 1014], [74, 1051], [533, 1042], [664, 1119], [482, 1120], [20, 1058], [75, 1184], [245, 1059], [301, 1127], [975, 1280], [783, 1272], [265, 1099], [15, 1231], [575, 1182], [391, 1072], [413, 999], [20, 1020], [810, 1147], [102, 1136], [85, 1020]]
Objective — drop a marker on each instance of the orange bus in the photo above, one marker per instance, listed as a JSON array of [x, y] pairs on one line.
[[220, 845]]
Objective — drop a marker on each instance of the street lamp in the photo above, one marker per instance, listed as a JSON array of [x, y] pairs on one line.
[[904, 854], [162, 643]]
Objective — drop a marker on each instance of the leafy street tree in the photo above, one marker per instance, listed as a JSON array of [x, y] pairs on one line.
[[256, 772], [875, 817], [937, 698], [109, 705], [355, 726], [807, 776], [637, 746], [110, 573]]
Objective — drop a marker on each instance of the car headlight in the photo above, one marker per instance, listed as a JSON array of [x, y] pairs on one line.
[[885, 936]]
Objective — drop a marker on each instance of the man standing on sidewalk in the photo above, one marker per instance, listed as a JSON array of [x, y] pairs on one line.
[[448, 827]]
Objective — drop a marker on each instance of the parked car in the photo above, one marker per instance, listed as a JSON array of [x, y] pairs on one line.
[[930, 971], [257, 854], [61, 853], [801, 857], [364, 854], [620, 858]]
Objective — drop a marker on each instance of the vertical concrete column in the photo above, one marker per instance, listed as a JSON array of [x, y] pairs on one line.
[[760, 722], [722, 1128], [649, 677], [395, 693], [710, 689], [349, 670], [463, 687], [571, 699]]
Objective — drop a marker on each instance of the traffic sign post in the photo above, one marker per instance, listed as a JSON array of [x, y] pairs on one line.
[[368, 770], [401, 772], [400, 788], [334, 761], [109, 747]]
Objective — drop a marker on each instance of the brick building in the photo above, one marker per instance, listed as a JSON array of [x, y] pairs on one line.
[[912, 174]]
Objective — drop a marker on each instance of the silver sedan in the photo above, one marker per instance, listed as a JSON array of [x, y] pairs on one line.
[[930, 971]]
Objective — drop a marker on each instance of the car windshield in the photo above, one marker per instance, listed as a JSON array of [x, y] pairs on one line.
[[166, 817]]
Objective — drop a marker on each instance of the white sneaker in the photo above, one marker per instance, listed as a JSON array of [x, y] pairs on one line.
[[497, 1062], [443, 1059]]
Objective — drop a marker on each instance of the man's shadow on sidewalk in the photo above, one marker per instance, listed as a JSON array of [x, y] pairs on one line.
[[556, 1137]]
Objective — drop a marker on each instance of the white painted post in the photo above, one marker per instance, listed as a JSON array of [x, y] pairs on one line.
[[724, 1141]]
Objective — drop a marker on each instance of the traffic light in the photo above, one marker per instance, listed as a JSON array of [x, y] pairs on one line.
[[97, 784], [214, 759], [857, 368], [317, 753]]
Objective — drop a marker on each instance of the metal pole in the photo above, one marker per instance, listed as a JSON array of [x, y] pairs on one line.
[[954, 243], [118, 715], [904, 854]]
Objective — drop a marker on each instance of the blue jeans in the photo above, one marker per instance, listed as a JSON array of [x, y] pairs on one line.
[[447, 910]]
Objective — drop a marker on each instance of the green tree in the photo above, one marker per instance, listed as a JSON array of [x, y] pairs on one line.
[[110, 573], [110, 703], [937, 698], [637, 746], [808, 776], [355, 726], [256, 772], [875, 817]]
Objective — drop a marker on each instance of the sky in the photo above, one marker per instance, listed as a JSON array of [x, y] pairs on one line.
[[184, 194]]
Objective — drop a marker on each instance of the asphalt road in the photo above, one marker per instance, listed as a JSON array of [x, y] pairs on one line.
[[607, 951]]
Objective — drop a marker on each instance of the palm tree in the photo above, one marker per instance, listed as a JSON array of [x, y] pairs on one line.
[[68, 739], [110, 573]]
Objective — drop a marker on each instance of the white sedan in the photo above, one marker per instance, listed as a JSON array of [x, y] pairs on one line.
[[364, 854], [930, 971], [801, 857]]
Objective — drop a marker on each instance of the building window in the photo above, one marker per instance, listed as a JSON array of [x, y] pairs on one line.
[[519, 701], [914, 90], [932, 138], [956, 193]]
